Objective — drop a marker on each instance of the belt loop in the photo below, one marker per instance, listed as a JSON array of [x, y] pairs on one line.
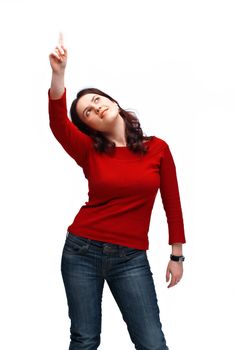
[[121, 251]]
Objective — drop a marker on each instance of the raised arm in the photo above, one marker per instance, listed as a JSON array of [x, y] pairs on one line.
[[76, 143], [58, 62]]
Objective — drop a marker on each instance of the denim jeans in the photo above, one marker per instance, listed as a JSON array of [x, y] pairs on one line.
[[85, 265]]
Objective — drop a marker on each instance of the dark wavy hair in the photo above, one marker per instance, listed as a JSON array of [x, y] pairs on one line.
[[133, 131]]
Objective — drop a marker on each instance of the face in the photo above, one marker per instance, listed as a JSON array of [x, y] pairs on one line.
[[98, 112]]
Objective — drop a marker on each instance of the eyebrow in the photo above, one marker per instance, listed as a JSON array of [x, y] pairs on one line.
[[87, 107]]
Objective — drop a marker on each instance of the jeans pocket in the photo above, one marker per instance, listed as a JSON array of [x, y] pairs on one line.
[[75, 245]]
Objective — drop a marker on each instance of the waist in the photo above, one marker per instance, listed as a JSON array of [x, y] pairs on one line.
[[105, 246]]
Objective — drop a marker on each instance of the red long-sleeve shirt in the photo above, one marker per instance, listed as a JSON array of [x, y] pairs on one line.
[[122, 186]]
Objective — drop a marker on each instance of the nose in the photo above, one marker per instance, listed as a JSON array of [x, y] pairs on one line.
[[98, 109]]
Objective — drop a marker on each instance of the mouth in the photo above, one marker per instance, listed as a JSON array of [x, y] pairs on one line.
[[102, 112]]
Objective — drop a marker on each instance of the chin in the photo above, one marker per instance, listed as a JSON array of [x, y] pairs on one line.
[[112, 115]]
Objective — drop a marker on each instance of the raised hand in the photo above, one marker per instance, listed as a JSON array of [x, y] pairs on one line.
[[58, 58]]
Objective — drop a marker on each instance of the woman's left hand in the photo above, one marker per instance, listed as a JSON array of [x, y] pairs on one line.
[[175, 271]]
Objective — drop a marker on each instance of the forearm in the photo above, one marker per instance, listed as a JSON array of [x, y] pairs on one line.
[[177, 249], [57, 85]]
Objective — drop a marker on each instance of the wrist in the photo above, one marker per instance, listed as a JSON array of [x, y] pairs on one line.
[[177, 249], [177, 258], [58, 73]]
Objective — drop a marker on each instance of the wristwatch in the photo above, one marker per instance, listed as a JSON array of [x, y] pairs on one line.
[[177, 258]]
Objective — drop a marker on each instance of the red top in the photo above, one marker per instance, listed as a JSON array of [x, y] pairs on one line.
[[122, 186]]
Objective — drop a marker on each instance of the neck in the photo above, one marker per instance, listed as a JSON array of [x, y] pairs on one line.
[[117, 134]]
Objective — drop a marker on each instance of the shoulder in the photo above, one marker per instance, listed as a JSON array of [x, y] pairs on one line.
[[158, 144]]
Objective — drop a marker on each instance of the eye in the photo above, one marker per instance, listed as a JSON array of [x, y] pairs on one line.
[[97, 98], [87, 112]]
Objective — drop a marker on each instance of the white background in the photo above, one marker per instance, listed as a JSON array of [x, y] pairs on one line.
[[172, 62]]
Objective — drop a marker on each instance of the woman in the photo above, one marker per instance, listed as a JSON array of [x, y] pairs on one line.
[[108, 238]]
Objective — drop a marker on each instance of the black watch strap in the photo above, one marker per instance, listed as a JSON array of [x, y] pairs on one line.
[[177, 258]]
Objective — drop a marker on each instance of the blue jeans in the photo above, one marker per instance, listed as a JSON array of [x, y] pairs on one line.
[[85, 265]]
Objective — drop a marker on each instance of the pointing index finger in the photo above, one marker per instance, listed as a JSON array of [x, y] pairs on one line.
[[61, 39]]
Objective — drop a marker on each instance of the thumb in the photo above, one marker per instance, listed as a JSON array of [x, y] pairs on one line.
[[167, 274]]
